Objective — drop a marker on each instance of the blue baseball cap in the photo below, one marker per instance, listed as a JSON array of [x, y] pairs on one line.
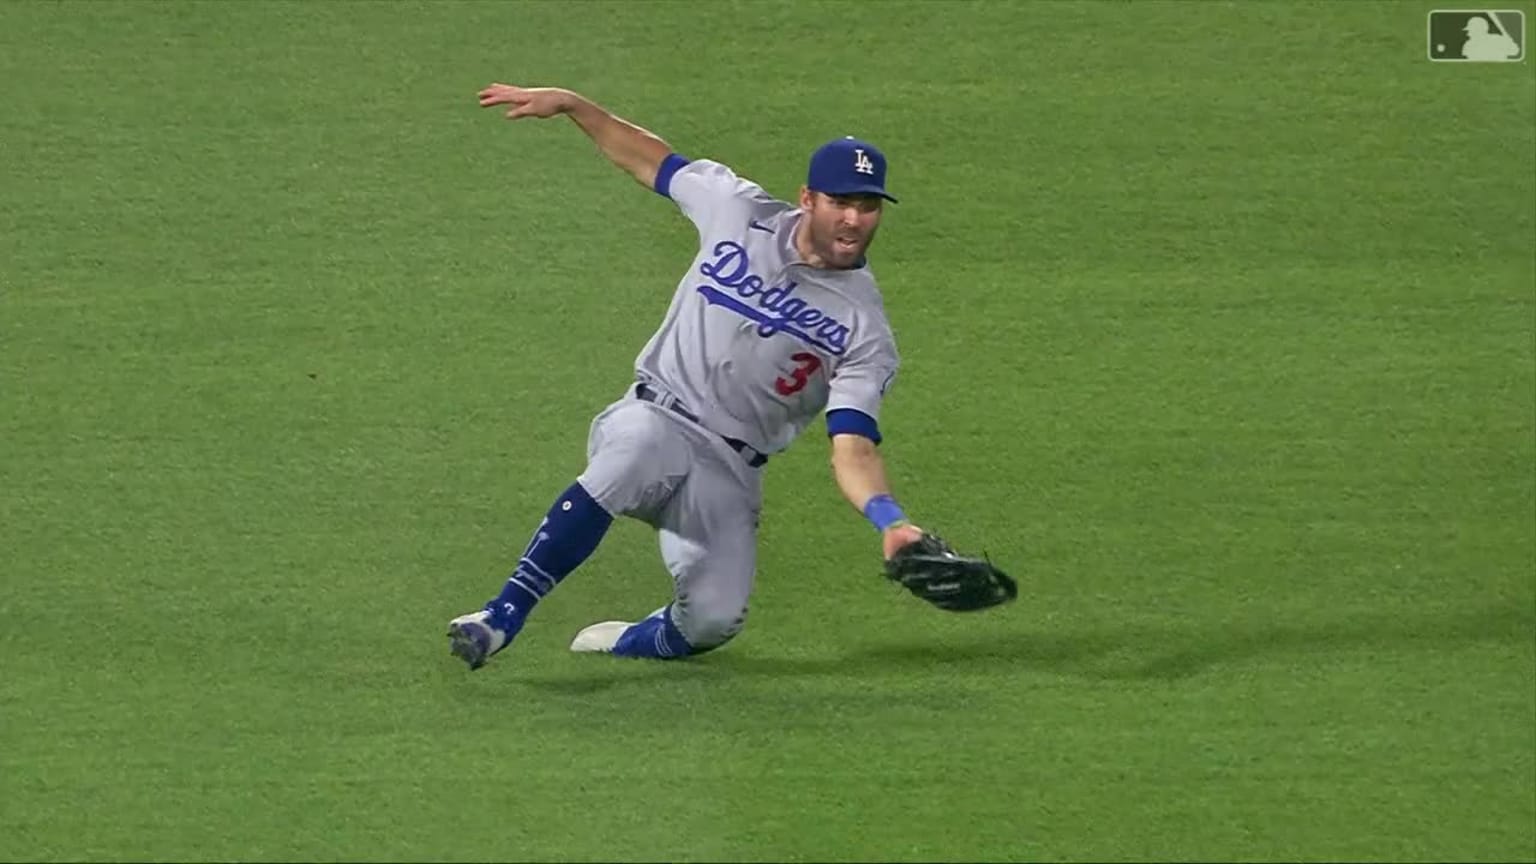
[[848, 166]]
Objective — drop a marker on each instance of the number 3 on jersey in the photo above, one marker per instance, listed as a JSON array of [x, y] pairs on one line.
[[797, 380]]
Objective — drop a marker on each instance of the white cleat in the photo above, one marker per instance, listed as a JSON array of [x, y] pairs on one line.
[[599, 638]]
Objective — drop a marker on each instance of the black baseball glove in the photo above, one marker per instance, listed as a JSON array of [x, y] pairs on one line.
[[931, 569]]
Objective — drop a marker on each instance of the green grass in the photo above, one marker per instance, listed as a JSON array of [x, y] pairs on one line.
[[1219, 330]]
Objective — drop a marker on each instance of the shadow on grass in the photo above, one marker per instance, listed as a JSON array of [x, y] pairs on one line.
[[599, 673], [1149, 654], [1177, 652]]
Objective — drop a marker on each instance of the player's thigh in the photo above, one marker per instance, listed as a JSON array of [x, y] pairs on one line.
[[712, 585], [715, 572], [635, 460], [708, 537]]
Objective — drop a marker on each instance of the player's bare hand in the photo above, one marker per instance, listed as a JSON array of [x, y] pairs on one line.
[[899, 535], [527, 101]]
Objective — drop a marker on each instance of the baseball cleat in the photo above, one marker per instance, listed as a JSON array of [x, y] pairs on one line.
[[473, 638], [599, 638]]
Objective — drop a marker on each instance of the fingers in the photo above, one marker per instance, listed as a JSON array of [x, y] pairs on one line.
[[499, 94]]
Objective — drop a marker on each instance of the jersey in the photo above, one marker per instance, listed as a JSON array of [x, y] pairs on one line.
[[757, 342]]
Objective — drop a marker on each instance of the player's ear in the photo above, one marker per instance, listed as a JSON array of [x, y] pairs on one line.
[[807, 197]]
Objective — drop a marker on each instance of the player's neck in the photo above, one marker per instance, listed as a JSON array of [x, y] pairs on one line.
[[803, 244]]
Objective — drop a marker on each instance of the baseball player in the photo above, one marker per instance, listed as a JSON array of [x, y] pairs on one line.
[[775, 320]]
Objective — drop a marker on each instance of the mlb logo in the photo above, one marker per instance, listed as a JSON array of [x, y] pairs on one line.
[[1477, 35]]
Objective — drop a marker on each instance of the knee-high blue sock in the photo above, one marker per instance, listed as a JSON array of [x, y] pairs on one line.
[[656, 637], [569, 534]]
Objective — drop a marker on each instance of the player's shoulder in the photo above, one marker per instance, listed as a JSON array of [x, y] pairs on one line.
[[712, 172], [860, 285], [721, 178], [874, 325]]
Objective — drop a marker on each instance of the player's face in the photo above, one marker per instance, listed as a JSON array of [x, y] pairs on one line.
[[840, 227]]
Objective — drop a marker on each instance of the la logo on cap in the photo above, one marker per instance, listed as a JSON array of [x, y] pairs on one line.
[[861, 162]]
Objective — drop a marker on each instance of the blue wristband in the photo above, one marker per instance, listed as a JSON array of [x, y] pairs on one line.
[[883, 511]]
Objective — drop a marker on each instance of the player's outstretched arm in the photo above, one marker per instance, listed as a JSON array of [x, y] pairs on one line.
[[860, 474], [636, 150]]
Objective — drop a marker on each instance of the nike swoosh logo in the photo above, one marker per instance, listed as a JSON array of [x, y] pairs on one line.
[[758, 226]]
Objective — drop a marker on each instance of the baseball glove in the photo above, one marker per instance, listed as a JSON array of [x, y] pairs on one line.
[[931, 569]]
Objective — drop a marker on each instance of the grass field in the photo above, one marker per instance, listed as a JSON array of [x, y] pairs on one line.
[[1218, 324]]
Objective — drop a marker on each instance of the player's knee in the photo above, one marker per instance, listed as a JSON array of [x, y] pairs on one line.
[[625, 485], [708, 625], [609, 490], [633, 464]]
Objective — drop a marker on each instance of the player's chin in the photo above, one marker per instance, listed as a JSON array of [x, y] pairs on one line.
[[845, 254]]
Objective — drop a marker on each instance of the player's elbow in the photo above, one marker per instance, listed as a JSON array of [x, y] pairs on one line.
[[849, 449]]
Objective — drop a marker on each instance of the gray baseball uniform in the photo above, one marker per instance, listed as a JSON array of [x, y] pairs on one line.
[[754, 345]]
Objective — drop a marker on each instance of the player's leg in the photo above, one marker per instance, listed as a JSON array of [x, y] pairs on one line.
[[630, 470], [713, 584], [708, 537], [568, 534]]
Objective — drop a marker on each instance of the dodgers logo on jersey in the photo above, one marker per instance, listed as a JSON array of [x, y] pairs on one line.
[[776, 309]]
